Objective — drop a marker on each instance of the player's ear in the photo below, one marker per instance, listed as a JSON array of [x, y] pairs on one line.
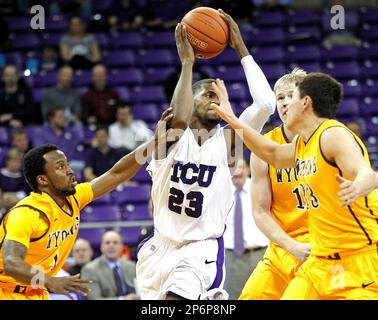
[[307, 102], [42, 180]]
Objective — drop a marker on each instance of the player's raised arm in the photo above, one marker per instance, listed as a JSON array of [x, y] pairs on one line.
[[182, 100], [349, 158], [127, 166], [279, 156], [264, 101]]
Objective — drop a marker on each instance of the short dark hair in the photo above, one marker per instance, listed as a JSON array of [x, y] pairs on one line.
[[102, 127], [197, 85], [52, 111], [34, 164], [18, 131], [124, 104], [325, 92]]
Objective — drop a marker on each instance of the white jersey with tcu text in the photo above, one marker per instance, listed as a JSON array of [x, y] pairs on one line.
[[192, 189]]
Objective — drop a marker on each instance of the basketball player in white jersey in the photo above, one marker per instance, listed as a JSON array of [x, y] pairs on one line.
[[192, 187]]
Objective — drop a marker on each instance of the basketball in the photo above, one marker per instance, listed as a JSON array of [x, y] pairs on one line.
[[207, 32]]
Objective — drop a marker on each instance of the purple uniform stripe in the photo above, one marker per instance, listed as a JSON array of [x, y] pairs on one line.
[[140, 245], [220, 262]]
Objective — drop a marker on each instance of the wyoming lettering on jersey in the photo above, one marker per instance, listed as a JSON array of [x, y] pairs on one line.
[[59, 236]]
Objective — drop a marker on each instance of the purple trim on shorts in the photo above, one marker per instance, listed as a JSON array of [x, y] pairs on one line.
[[220, 262], [140, 245]]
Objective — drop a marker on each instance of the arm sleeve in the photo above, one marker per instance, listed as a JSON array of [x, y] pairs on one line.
[[84, 194], [264, 100], [22, 226]]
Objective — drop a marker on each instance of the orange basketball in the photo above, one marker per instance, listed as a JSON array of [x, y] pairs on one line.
[[207, 32]]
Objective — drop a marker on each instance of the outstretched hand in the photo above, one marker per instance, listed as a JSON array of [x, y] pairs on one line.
[[236, 40], [224, 108], [184, 48], [348, 193]]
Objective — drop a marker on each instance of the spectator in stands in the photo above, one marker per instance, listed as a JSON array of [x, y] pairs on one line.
[[64, 95], [126, 132], [79, 49], [83, 8], [356, 126], [245, 244], [100, 101], [49, 59], [57, 132], [20, 140], [101, 157], [113, 277], [16, 100], [82, 253], [241, 11], [12, 181]]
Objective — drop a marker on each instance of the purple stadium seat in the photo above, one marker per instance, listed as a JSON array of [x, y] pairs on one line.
[[51, 39], [119, 58], [25, 41], [147, 112], [4, 136], [56, 24], [101, 213], [303, 53], [82, 78], [127, 40], [269, 19], [124, 93], [303, 17], [135, 212], [300, 33], [268, 54], [273, 71], [271, 36], [372, 127], [343, 70], [102, 39], [142, 176], [160, 39], [369, 107], [371, 88], [157, 75], [94, 236], [38, 94], [369, 51], [126, 77], [237, 92], [148, 94], [369, 15], [349, 108], [3, 153], [307, 66], [132, 194], [369, 32], [106, 199], [18, 24], [130, 235], [230, 74], [228, 56], [45, 79], [155, 57], [337, 53], [15, 58], [352, 89], [370, 69]]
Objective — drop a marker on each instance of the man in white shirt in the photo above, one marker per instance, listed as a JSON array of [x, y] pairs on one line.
[[245, 244], [126, 132]]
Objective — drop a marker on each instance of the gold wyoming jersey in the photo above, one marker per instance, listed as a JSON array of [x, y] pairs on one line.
[[47, 230], [333, 228], [287, 206]]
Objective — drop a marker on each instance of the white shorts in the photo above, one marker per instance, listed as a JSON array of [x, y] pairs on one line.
[[188, 270]]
